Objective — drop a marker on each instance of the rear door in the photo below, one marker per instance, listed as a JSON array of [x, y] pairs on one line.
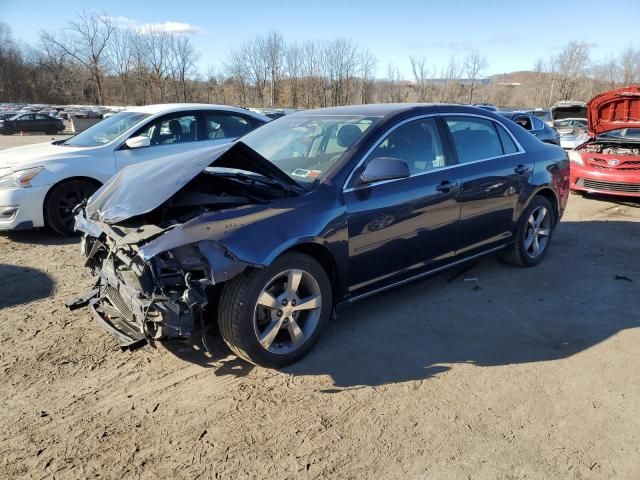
[[400, 228], [493, 170], [42, 123]]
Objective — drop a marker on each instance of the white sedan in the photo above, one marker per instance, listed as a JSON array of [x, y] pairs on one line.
[[41, 184]]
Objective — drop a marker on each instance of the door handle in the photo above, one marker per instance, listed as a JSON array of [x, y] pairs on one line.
[[521, 169], [446, 186]]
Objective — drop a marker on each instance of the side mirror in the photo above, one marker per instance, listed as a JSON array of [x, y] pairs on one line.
[[384, 168], [138, 142]]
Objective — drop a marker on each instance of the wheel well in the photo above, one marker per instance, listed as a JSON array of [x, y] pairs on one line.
[[549, 195], [62, 182], [323, 257]]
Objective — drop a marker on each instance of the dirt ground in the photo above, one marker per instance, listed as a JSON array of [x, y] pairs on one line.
[[519, 374]]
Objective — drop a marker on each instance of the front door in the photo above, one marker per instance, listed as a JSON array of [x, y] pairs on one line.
[[402, 227], [168, 135]]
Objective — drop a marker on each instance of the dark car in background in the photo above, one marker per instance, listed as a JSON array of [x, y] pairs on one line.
[[31, 122], [533, 125], [310, 213]]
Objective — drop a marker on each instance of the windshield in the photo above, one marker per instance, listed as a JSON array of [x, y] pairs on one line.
[[628, 134], [106, 130], [306, 147]]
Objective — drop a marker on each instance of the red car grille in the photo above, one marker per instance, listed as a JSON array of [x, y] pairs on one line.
[[609, 186], [603, 164]]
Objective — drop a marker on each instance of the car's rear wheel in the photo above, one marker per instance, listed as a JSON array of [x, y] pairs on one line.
[[273, 316], [61, 202], [534, 232]]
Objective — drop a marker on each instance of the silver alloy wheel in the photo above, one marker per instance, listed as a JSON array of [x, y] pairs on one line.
[[537, 233], [287, 311]]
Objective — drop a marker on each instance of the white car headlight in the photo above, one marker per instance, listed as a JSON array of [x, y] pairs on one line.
[[576, 157], [21, 178]]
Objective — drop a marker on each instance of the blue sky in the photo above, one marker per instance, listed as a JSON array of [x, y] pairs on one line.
[[511, 34]]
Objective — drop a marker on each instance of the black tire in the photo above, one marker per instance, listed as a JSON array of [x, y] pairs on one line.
[[238, 310], [518, 253], [60, 202]]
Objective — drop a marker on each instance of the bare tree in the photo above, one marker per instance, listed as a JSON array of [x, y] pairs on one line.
[[85, 40], [630, 66], [183, 61], [120, 58], [394, 89], [274, 51], [474, 64], [570, 64], [368, 64], [451, 88], [312, 72], [341, 61], [421, 74], [293, 60]]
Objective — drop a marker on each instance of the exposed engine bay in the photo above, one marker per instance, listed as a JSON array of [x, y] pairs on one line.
[[141, 296], [612, 148]]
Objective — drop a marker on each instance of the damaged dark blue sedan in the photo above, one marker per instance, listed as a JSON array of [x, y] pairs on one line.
[[271, 234]]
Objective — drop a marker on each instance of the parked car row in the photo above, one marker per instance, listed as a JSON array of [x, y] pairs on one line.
[[30, 122]]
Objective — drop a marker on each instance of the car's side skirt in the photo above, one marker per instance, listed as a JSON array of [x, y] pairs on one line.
[[362, 296]]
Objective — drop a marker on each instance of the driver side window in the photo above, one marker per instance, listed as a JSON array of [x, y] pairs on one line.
[[417, 142], [170, 130]]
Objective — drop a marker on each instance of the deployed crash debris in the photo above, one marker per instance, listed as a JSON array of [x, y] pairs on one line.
[[154, 257]]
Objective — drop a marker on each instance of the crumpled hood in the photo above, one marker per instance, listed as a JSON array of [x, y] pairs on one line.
[[19, 157], [614, 110], [143, 187]]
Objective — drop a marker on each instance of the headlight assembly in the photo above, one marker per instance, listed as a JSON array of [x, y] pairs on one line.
[[21, 178], [576, 157]]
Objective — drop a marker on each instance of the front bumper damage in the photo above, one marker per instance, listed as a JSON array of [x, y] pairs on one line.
[[139, 299]]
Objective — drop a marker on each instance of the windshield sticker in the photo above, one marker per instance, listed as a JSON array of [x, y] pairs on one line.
[[314, 174], [300, 172]]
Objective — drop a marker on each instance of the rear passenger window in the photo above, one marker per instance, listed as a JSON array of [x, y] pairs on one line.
[[508, 145], [224, 125], [537, 123], [476, 138]]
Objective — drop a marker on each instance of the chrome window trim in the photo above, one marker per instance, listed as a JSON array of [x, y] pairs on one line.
[[346, 189]]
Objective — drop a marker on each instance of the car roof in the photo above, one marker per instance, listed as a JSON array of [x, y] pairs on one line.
[[179, 107], [387, 109]]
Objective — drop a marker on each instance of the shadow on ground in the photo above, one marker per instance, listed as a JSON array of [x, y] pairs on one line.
[[40, 236], [20, 285], [585, 291]]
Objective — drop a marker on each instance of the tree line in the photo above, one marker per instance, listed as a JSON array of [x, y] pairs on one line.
[[94, 61]]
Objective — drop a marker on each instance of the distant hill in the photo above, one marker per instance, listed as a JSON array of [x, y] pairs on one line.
[[523, 77]]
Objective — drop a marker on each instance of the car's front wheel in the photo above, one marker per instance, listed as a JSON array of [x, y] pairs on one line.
[[533, 233], [273, 316], [62, 200]]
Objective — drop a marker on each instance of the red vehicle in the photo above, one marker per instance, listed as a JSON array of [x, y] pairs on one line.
[[609, 162]]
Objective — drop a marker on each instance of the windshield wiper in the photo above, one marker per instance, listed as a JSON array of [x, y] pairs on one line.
[[271, 182]]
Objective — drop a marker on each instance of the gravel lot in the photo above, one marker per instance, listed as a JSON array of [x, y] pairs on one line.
[[521, 374]]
